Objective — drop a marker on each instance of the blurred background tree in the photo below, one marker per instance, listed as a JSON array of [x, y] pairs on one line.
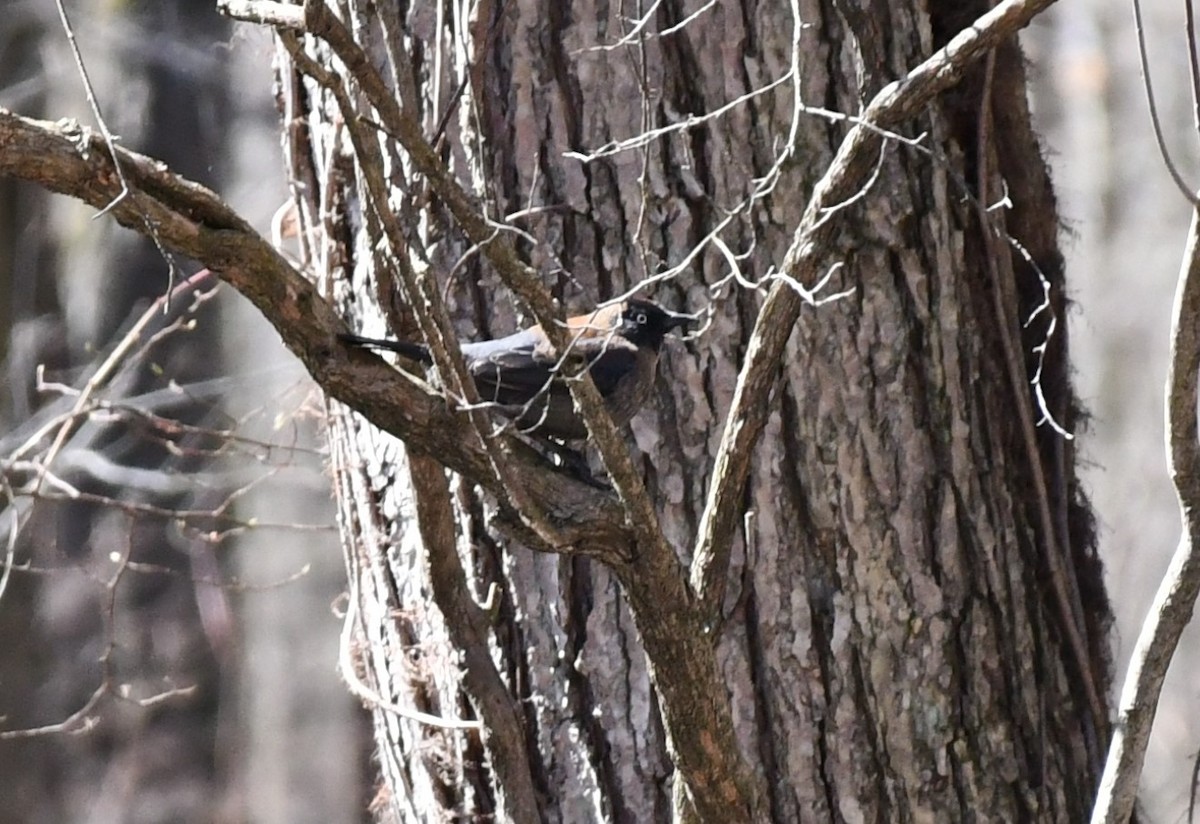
[[201, 609]]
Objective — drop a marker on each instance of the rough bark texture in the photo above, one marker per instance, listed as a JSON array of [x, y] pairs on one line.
[[891, 644]]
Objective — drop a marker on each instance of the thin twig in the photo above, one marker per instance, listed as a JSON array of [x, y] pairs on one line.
[[111, 142], [1193, 786], [1175, 600], [14, 530], [1189, 17], [1177, 176], [371, 696], [114, 359]]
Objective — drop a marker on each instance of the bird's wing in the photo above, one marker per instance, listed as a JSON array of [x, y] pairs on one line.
[[516, 368], [509, 370]]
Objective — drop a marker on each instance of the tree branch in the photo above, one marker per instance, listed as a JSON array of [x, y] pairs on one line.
[[467, 625], [192, 221], [851, 166], [1176, 597]]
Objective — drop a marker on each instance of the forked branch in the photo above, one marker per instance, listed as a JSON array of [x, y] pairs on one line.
[[802, 263]]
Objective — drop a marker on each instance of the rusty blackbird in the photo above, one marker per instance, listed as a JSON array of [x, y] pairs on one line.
[[618, 344]]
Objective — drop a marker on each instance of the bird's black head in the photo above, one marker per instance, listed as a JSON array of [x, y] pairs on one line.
[[645, 324]]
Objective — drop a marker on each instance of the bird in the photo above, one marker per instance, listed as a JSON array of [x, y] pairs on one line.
[[618, 345]]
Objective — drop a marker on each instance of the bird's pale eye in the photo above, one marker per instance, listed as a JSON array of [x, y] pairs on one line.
[[641, 318]]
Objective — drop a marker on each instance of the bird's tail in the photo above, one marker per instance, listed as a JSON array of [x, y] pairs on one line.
[[412, 351]]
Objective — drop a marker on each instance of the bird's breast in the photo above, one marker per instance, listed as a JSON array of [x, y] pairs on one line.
[[633, 390]]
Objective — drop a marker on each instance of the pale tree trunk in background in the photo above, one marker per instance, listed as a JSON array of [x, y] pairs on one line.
[[294, 743], [893, 647]]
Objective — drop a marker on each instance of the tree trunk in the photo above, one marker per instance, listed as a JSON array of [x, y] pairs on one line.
[[913, 623]]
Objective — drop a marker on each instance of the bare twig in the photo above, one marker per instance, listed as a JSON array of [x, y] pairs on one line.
[[1176, 596], [79, 721], [188, 519], [90, 94], [691, 121], [1176, 176], [111, 142], [1189, 28], [371, 696], [114, 359], [10, 512], [1194, 785], [1046, 415]]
